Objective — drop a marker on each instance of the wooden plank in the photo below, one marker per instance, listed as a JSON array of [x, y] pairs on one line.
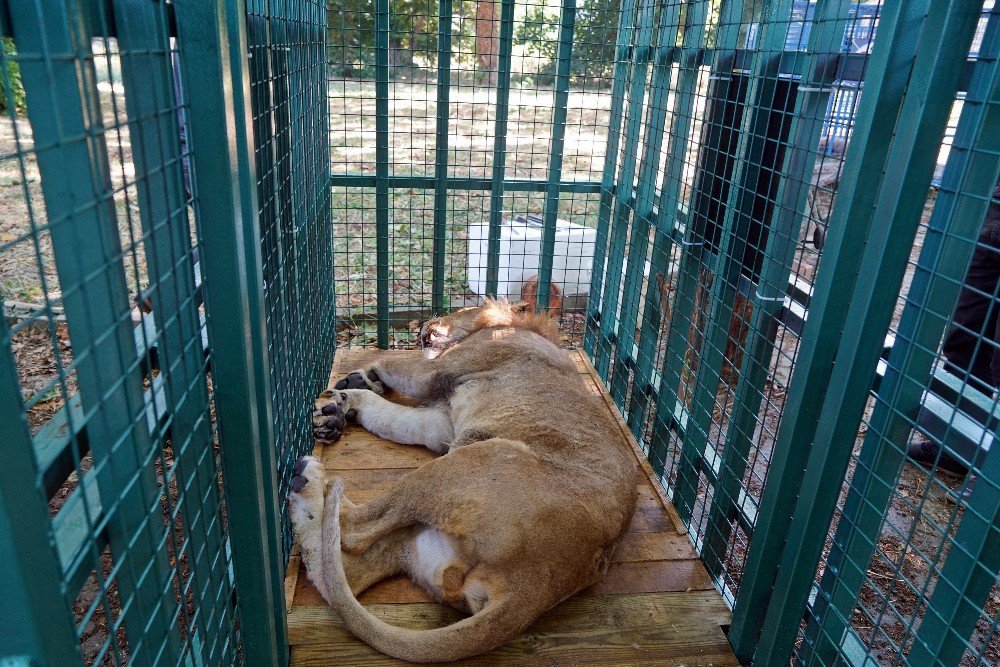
[[667, 545], [578, 361], [292, 578], [662, 629], [397, 590], [348, 359], [359, 449], [321, 624], [604, 649], [650, 520], [585, 612], [662, 576]]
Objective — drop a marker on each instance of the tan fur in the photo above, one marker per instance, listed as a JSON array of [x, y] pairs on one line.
[[525, 509]]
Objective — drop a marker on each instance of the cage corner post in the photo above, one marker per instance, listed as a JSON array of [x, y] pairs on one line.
[[214, 48]]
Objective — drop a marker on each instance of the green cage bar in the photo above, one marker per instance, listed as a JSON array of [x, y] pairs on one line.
[[497, 183], [74, 167], [39, 627], [761, 142], [910, 166], [567, 20], [645, 218], [668, 412], [623, 186], [220, 125], [967, 576], [149, 89], [592, 342], [382, 28], [811, 96], [441, 155], [887, 76], [656, 110], [957, 216]]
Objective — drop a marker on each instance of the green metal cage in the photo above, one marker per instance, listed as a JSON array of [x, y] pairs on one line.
[[757, 217]]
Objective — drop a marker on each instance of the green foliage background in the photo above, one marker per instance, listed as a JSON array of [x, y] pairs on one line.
[[11, 88], [413, 37]]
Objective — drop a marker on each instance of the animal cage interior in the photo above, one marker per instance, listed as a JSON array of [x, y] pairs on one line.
[[768, 230]]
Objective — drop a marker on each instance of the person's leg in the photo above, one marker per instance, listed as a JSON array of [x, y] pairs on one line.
[[970, 344]]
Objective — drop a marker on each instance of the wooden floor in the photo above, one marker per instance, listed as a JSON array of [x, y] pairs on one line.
[[656, 606]]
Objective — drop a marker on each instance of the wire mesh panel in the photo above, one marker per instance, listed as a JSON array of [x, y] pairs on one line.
[[108, 404], [911, 567], [288, 56], [743, 309], [729, 159], [467, 149]]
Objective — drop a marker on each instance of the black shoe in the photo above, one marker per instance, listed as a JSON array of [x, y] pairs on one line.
[[931, 455], [963, 493]]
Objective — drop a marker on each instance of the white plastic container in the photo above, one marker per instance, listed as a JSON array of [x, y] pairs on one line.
[[520, 249]]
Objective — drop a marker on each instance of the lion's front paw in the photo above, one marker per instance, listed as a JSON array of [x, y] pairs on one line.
[[362, 379], [308, 487], [332, 412]]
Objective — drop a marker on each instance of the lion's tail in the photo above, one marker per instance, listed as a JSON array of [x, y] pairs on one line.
[[498, 622]]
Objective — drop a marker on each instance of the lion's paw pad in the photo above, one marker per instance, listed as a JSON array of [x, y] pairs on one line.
[[306, 489], [362, 379], [329, 418]]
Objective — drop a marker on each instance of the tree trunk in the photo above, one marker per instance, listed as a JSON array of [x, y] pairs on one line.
[[487, 38]]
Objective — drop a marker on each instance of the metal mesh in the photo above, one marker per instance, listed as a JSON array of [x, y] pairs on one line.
[[726, 172], [287, 51], [664, 174], [909, 571], [103, 335], [465, 136], [732, 126]]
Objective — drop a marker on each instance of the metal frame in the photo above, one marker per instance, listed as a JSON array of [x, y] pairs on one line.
[[896, 134], [214, 35], [763, 115], [935, 288]]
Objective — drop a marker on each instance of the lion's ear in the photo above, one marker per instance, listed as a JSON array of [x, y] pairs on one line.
[[520, 307]]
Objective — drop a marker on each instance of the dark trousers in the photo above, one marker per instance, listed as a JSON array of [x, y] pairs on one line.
[[970, 345]]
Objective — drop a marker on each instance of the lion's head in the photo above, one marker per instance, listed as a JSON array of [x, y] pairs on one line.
[[441, 333]]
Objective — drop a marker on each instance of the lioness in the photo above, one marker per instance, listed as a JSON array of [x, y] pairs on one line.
[[535, 488]]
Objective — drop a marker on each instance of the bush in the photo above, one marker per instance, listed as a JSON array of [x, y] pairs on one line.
[[11, 86], [594, 38]]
